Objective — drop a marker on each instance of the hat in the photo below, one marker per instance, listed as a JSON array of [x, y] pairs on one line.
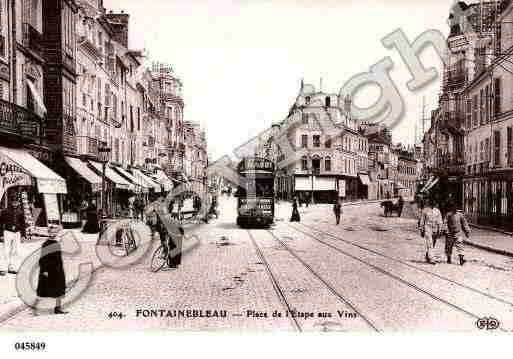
[[54, 230]]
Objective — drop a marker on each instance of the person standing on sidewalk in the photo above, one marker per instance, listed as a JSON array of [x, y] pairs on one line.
[[337, 209], [13, 222], [457, 225], [430, 223], [295, 213], [52, 280]]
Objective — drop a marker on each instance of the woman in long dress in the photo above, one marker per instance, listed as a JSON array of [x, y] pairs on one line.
[[92, 226], [52, 279], [295, 213]]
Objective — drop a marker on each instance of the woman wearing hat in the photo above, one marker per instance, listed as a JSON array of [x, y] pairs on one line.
[[52, 280]]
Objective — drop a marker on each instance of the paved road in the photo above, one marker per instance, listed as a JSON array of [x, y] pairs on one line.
[[365, 275]]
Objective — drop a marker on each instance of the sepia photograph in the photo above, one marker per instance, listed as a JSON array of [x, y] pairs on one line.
[[254, 167]]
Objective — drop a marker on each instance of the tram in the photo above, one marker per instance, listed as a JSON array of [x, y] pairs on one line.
[[255, 194]]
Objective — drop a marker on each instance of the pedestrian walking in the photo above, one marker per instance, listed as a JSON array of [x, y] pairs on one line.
[[400, 206], [91, 226], [295, 213], [52, 279], [457, 226], [337, 209], [430, 223], [13, 222]]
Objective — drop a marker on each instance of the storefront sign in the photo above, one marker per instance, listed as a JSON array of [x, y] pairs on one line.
[[51, 186], [12, 175], [51, 207], [341, 188]]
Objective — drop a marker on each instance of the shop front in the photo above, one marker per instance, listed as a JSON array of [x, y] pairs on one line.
[[363, 186], [324, 189], [117, 191], [36, 187], [153, 187], [84, 187]]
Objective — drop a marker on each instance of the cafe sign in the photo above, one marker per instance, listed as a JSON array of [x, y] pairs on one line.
[[256, 164], [12, 175]]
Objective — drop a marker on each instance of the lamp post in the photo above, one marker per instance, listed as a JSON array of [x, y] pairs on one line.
[[104, 151]]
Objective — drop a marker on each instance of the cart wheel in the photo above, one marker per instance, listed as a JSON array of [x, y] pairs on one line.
[[159, 260]]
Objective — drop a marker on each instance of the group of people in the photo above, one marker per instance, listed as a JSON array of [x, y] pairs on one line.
[[337, 211], [433, 226]]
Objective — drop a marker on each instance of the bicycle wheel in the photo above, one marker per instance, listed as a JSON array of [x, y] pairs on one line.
[[158, 261], [130, 243]]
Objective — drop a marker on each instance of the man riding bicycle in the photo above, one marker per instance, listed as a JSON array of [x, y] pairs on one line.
[[172, 244]]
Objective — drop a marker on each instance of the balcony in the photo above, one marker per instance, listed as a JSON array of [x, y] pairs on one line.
[[455, 79], [453, 122], [32, 39], [450, 165], [87, 146], [17, 122]]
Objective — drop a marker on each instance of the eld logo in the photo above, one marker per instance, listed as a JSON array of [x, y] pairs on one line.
[[488, 323]]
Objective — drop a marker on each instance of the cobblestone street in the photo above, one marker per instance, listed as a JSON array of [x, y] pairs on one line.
[[367, 274]]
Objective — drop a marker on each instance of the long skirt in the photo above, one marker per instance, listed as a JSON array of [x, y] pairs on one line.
[[295, 216]]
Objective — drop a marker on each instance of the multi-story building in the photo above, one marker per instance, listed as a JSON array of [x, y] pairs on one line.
[[169, 89], [28, 123], [321, 125], [471, 42], [487, 191]]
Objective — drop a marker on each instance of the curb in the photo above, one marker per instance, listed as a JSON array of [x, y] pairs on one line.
[[16, 306], [486, 228], [490, 249]]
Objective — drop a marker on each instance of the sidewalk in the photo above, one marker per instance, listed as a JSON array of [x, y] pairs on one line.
[[485, 238], [10, 304]]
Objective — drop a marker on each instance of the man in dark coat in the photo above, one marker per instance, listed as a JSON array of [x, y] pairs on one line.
[[92, 226], [295, 213], [337, 209], [52, 280]]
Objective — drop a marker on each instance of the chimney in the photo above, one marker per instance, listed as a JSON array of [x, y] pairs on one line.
[[119, 24]]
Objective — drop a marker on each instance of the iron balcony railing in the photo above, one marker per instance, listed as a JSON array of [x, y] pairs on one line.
[[19, 121], [87, 146], [32, 39]]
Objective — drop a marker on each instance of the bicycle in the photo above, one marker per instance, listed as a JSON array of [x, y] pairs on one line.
[[160, 257]]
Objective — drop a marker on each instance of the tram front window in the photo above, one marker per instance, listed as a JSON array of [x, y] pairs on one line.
[[260, 187]]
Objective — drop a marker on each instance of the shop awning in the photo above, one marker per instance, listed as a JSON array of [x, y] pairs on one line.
[[303, 184], [38, 99], [118, 181], [47, 180], [364, 179], [164, 180], [85, 172], [128, 176], [319, 184], [149, 182]]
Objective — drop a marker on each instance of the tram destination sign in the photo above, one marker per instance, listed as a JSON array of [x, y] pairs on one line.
[[256, 164]]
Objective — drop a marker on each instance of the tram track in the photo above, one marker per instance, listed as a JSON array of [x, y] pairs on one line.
[[435, 275], [326, 284], [276, 286], [396, 277]]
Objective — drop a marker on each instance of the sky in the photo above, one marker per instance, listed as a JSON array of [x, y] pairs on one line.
[[242, 61]]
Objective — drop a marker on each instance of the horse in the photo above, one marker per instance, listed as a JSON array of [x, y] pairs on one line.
[[391, 207]]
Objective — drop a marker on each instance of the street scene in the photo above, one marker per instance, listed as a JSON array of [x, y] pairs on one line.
[[157, 181]]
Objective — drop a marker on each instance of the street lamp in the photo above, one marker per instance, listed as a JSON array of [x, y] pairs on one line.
[[104, 158]]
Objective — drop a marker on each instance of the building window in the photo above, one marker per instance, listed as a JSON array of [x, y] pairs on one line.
[[304, 163], [487, 104], [328, 143], [510, 147], [469, 114], [317, 141], [497, 148], [304, 141], [474, 111], [327, 164], [138, 119], [328, 101], [481, 108], [304, 118], [497, 97], [307, 99]]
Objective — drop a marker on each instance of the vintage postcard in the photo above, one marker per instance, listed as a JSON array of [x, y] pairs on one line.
[[255, 166]]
